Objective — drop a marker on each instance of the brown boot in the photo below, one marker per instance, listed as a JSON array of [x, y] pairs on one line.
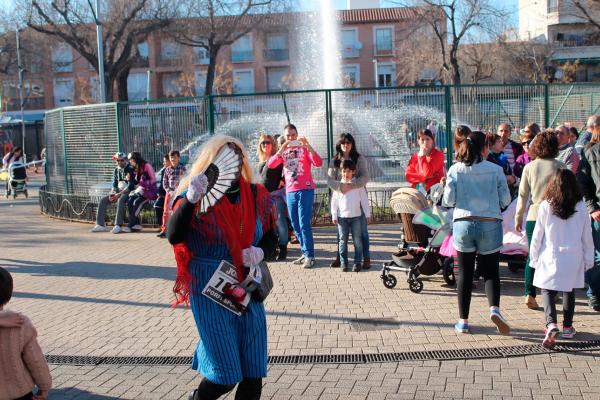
[[335, 263], [366, 263]]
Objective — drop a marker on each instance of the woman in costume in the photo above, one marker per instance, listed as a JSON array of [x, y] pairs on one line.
[[220, 216]]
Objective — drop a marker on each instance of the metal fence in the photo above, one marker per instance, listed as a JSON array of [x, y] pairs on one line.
[[384, 122]]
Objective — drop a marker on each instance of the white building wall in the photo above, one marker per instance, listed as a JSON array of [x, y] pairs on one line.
[[361, 4], [533, 20]]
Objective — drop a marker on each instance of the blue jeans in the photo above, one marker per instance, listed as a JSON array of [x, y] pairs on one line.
[[345, 225], [282, 225], [592, 276], [483, 237], [300, 206], [134, 206], [364, 227]]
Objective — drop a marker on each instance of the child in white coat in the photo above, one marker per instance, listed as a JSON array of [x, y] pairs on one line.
[[561, 250]]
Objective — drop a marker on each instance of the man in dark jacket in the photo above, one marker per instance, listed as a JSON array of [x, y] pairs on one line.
[[588, 177], [123, 183]]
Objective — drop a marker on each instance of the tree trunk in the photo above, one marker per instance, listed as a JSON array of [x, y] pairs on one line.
[[109, 81], [455, 68], [122, 86], [210, 73]]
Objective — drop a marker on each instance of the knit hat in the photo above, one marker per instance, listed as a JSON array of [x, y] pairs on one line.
[[119, 156]]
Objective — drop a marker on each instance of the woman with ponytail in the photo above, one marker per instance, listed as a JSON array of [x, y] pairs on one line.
[[477, 190]]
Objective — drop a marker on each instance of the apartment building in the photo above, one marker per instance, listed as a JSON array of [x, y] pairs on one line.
[[264, 60], [571, 37]]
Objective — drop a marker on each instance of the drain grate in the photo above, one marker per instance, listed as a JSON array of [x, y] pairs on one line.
[[374, 324], [440, 355]]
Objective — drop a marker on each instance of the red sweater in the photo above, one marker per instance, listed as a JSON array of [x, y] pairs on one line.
[[426, 169]]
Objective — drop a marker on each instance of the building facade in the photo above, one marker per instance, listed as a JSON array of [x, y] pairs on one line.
[[262, 61], [573, 40]]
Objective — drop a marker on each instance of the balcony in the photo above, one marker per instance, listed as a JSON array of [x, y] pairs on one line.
[[351, 51], [33, 103], [276, 54], [576, 41], [239, 56]]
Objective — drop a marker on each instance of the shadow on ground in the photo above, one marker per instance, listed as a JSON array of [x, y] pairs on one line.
[[74, 393], [86, 269]]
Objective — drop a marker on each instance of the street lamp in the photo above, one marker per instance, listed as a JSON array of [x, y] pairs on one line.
[[376, 69], [100, 53], [21, 98]]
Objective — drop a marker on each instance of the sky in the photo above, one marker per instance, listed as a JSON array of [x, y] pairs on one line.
[[511, 5]]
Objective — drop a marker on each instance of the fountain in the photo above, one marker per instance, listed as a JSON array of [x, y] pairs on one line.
[[383, 124]]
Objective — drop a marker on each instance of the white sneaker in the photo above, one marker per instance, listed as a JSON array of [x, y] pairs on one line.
[[116, 229], [126, 229], [299, 261], [99, 228], [137, 228], [309, 262]]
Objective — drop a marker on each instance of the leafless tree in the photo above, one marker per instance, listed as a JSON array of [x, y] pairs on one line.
[[588, 10], [454, 21], [214, 24], [125, 23]]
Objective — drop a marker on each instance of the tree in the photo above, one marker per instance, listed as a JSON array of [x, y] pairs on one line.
[[588, 10], [214, 24], [455, 21], [125, 24]]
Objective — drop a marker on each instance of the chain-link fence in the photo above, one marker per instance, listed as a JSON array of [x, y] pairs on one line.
[[384, 121]]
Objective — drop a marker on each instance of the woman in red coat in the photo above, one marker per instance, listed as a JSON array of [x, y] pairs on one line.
[[426, 168]]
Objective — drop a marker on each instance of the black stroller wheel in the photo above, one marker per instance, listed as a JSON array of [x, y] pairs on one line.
[[390, 281], [415, 285], [448, 271]]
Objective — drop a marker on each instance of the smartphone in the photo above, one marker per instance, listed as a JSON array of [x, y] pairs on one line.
[[294, 143]]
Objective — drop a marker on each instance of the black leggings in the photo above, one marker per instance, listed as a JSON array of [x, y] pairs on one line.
[[248, 389], [488, 266]]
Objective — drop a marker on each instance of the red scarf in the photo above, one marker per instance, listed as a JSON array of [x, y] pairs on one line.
[[237, 223]]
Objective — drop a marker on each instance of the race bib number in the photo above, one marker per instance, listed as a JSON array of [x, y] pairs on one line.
[[224, 276]]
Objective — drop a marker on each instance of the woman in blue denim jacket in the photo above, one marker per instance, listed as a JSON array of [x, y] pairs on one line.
[[477, 190]]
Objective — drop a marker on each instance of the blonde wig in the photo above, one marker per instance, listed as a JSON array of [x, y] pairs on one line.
[[207, 154], [262, 156]]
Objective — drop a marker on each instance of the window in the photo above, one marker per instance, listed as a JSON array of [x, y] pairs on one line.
[[201, 54], [277, 47], [243, 81], [33, 92], [351, 75], [241, 49], [277, 78], [350, 44], [383, 41], [169, 50], [171, 84], [552, 6], [386, 75], [200, 82], [95, 89], [137, 85], [62, 58], [144, 54], [63, 92]]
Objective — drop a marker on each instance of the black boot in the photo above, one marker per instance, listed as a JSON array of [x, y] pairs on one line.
[[336, 263], [282, 255]]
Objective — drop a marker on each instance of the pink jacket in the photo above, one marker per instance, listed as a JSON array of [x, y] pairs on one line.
[[297, 163]]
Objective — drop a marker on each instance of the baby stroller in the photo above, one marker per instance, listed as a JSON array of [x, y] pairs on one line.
[[17, 179], [423, 230]]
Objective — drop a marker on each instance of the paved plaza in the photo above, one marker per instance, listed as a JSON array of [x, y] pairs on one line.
[[99, 294]]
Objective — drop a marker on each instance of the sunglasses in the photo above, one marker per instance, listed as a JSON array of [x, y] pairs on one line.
[[265, 143], [526, 143]]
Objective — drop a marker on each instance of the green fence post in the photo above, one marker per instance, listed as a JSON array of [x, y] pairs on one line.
[[211, 114], [119, 125], [329, 124], [64, 143], [449, 138], [546, 106]]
